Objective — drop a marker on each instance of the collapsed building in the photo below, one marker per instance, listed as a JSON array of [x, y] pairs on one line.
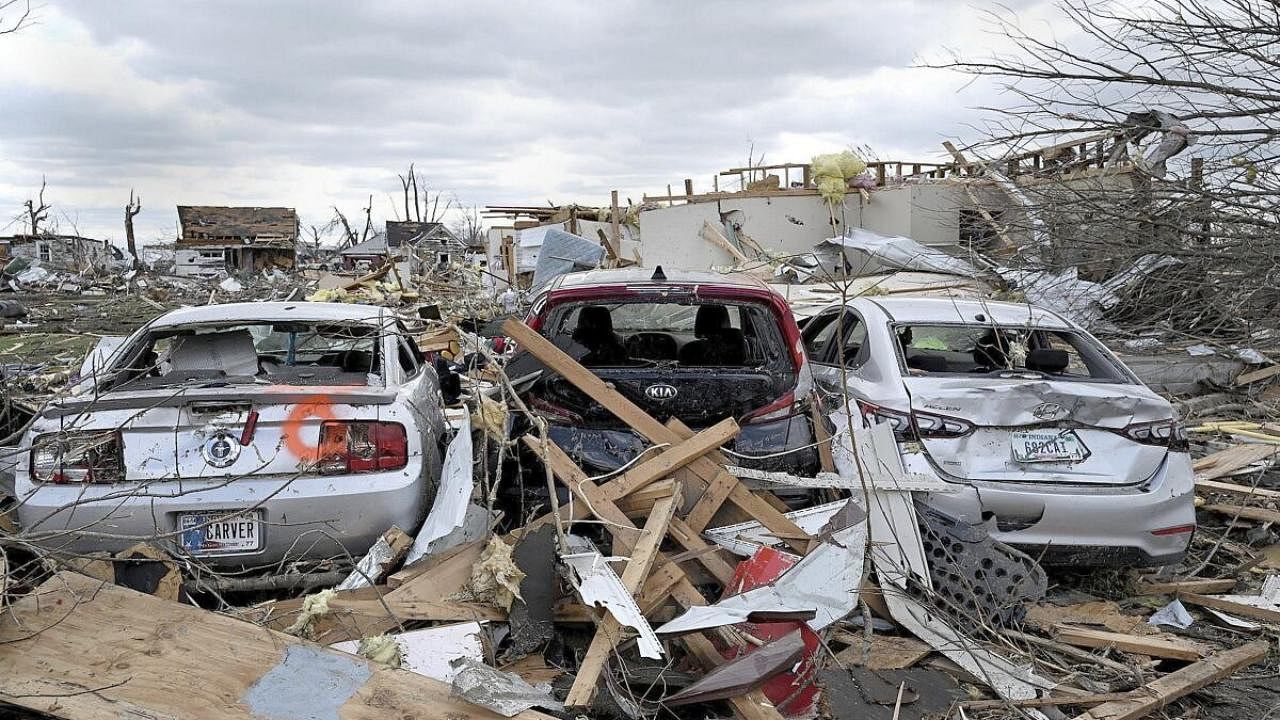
[[217, 240]]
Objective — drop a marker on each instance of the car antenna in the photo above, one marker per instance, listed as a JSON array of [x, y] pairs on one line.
[[658, 275]]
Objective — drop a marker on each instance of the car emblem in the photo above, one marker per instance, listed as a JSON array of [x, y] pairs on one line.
[[221, 450], [1049, 411], [660, 392]]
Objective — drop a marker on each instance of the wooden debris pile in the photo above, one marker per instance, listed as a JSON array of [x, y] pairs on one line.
[[623, 598]]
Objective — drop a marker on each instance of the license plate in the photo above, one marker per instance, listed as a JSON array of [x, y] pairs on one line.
[[220, 533], [1047, 446]]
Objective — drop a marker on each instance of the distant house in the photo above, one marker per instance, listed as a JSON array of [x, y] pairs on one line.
[[69, 252], [418, 245], [234, 239]]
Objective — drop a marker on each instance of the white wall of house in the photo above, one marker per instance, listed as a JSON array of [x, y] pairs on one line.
[[796, 224], [198, 262]]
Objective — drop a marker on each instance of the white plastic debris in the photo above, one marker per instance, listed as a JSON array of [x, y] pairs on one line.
[[231, 285], [504, 693], [1173, 615], [600, 586]]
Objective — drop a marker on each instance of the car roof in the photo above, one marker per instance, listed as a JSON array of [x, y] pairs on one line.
[[638, 275], [951, 310], [271, 311]]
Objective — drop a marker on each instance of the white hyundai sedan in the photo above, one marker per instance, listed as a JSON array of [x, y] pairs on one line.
[[1045, 435]]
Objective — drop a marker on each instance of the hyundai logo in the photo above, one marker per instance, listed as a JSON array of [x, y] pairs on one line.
[[221, 450], [660, 392], [1048, 411]]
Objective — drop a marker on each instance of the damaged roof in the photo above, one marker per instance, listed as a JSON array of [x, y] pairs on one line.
[[409, 232], [249, 312], [205, 222]]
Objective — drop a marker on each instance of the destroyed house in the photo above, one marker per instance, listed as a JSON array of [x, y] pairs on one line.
[[235, 239], [69, 252], [420, 244]]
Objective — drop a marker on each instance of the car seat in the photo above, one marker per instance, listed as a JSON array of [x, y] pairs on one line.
[[594, 331], [716, 343], [652, 346], [990, 352]]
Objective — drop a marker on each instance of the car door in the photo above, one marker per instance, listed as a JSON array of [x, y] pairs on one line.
[[836, 342]]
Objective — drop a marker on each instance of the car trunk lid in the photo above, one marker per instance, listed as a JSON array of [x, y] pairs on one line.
[[1037, 430]]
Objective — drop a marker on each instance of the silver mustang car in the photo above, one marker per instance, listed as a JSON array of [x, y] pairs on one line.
[[1043, 433], [239, 435]]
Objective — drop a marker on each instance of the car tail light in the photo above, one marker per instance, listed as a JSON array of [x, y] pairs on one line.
[[1164, 433], [784, 407], [357, 447], [78, 457], [553, 412], [1175, 530], [915, 425]]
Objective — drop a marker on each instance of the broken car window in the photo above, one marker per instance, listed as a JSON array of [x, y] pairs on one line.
[[680, 334], [276, 353], [986, 349]]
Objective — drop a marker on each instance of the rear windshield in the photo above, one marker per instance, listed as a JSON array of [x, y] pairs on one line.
[[645, 334], [989, 350], [290, 353]]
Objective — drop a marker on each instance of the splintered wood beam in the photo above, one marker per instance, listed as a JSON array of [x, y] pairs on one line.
[[1190, 585], [1160, 692], [1231, 607], [671, 459], [610, 631], [1161, 647], [706, 468], [665, 580]]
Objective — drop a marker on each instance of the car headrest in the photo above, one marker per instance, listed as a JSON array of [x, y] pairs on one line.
[[594, 319], [1047, 360], [711, 319], [928, 363], [360, 361]]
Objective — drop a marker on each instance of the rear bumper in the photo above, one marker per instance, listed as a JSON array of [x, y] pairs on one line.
[[302, 517], [787, 442], [1082, 525]]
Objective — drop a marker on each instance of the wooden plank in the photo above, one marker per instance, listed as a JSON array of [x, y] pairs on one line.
[[1161, 647], [707, 468], [1225, 462], [438, 577], [1192, 585], [1230, 606], [1160, 692], [80, 648], [713, 235], [1049, 701], [1257, 375], [823, 437], [1250, 513], [671, 459], [709, 554], [615, 229], [885, 652], [610, 631], [1225, 487]]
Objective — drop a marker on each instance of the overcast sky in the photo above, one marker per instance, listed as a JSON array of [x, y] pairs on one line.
[[310, 103]]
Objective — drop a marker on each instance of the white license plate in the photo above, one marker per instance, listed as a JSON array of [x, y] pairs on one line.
[[220, 533], [1047, 446]]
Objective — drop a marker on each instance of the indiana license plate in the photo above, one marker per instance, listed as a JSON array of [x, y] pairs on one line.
[[1047, 446], [220, 533]]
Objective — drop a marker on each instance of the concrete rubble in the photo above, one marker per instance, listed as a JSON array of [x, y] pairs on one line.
[[600, 599]]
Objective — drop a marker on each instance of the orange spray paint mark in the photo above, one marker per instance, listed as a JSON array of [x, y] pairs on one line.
[[293, 424]]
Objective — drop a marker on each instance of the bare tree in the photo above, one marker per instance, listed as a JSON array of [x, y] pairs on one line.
[[131, 210], [421, 205], [349, 236], [1184, 95], [14, 15], [37, 210], [469, 227]]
